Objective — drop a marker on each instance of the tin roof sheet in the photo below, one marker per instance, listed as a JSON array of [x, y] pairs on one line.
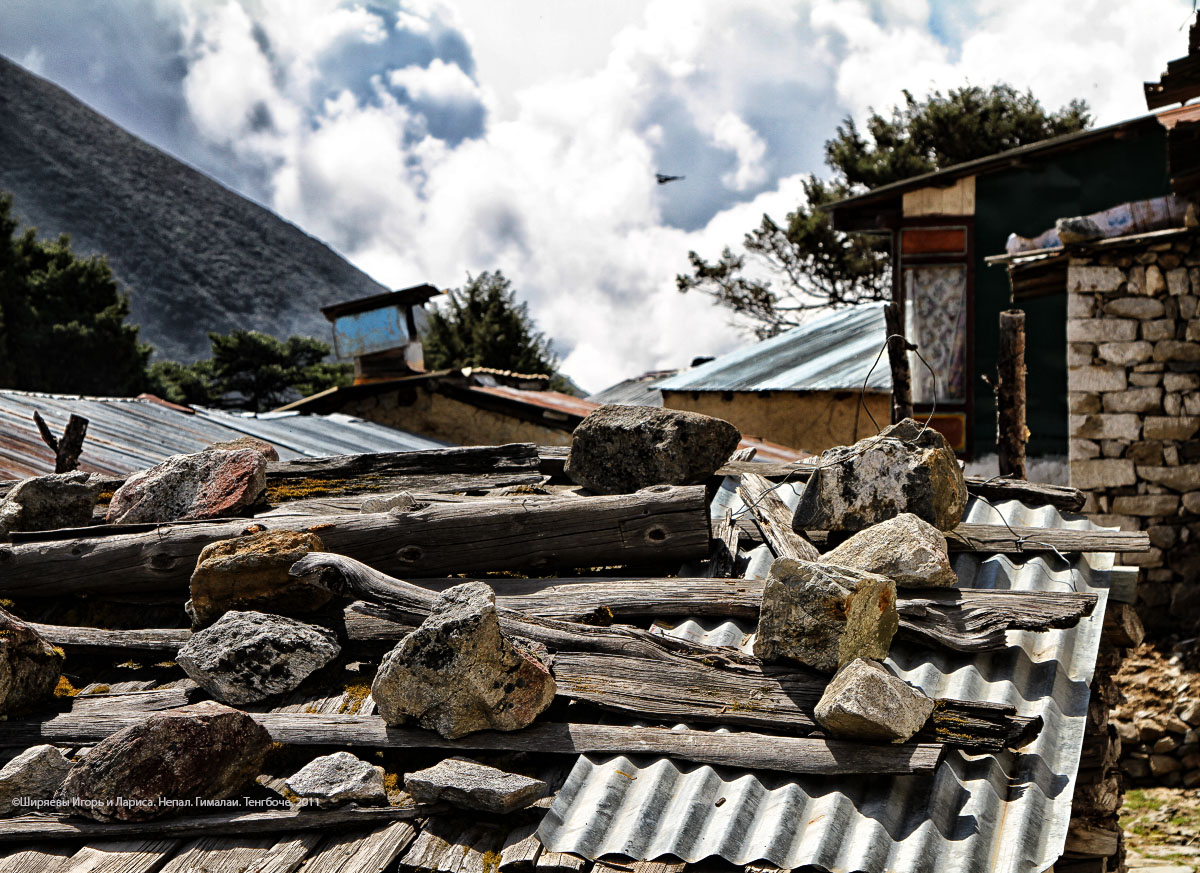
[[1006, 813], [127, 434], [834, 352], [639, 391]]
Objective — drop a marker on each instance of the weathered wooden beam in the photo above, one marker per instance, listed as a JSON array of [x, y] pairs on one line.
[[993, 489], [770, 697], [1013, 539], [753, 751], [1011, 432], [66, 448], [468, 468], [1122, 626], [773, 518], [660, 525], [1016, 540], [962, 619], [27, 828], [350, 578], [898, 349]]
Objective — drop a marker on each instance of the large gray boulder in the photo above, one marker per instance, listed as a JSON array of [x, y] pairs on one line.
[[208, 484], [458, 673], [339, 778], [621, 449], [161, 765], [34, 775], [50, 502], [249, 656], [866, 702], [824, 616], [906, 468], [909, 551], [472, 785], [29, 666], [251, 572]]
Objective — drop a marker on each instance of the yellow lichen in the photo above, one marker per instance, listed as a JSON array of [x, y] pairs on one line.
[[64, 688], [354, 697], [100, 689]]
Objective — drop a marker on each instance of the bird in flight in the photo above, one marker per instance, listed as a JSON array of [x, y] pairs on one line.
[[664, 179]]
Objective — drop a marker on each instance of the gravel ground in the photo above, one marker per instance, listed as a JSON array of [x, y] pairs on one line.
[[1162, 830]]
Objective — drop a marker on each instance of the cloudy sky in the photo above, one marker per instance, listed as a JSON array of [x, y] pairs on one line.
[[429, 139]]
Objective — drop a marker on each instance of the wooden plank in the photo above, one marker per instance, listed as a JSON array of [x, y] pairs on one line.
[[774, 519], [660, 525], [1122, 584], [962, 619], [722, 560], [370, 851], [748, 750], [434, 840], [1014, 539], [287, 854], [219, 854], [44, 858], [481, 857], [27, 828], [1091, 840], [125, 856], [460, 847], [520, 849], [468, 468], [560, 862]]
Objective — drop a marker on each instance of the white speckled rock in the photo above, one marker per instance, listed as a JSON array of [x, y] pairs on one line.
[[248, 656], [824, 616], [909, 551], [906, 468], [469, 784], [866, 702], [50, 502], [35, 774], [339, 778]]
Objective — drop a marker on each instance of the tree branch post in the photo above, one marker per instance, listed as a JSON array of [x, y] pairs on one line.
[[69, 447], [898, 348], [1011, 431]]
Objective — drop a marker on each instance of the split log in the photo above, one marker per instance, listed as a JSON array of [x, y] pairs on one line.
[[27, 828], [350, 578], [898, 349], [1017, 540], [771, 697], [1011, 432], [722, 560], [773, 519], [745, 750], [471, 468], [961, 619], [660, 525], [994, 489]]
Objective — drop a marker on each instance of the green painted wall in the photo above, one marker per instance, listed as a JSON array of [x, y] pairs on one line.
[[1027, 201]]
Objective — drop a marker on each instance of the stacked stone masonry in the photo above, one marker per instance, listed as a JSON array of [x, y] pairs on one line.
[[1133, 364]]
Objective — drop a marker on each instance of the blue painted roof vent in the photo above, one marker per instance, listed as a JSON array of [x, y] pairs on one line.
[[381, 332]]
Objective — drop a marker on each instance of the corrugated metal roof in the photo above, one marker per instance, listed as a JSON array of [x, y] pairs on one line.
[[832, 353], [639, 391], [551, 400], [1006, 813], [127, 434]]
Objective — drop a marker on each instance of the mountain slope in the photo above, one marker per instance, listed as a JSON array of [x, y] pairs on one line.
[[193, 255]]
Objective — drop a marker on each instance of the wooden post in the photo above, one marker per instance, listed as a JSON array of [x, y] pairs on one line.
[[898, 348], [68, 448], [1011, 432]]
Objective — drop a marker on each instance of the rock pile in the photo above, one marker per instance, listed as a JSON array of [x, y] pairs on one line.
[[1158, 720]]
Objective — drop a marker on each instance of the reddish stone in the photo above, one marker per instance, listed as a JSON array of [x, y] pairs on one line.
[[208, 484], [163, 764]]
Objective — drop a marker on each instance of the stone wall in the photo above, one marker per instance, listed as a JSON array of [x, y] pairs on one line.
[[1133, 355]]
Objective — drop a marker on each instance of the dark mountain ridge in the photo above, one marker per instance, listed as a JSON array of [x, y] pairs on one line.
[[193, 255]]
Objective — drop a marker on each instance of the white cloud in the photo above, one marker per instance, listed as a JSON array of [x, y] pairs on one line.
[[375, 130]]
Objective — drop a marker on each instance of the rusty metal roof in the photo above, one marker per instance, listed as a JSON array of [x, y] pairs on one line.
[[127, 434]]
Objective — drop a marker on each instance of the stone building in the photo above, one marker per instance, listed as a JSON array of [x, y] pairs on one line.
[[1132, 339]]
